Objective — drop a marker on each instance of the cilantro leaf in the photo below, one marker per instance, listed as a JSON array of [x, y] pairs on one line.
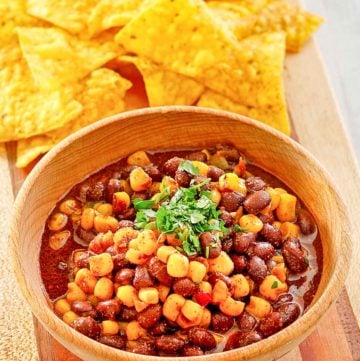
[[143, 204], [275, 284], [189, 167], [237, 228]]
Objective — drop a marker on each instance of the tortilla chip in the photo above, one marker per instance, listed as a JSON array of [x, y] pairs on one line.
[[296, 22], [71, 15], [57, 59], [253, 5], [112, 13], [101, 95], [25, 111], [164, 87], [274, 115]]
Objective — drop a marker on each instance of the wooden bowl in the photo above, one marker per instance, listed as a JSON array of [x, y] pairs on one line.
[[177, 127]]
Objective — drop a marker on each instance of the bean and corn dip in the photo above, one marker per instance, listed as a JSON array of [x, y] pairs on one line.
[[180, 253]]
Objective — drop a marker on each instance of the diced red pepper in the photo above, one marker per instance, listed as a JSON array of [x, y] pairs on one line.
[[202, 298]]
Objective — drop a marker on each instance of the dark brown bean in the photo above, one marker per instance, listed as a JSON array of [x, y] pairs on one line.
[[227, 244], [211, 246], [145, 348], [111, 251], [221, 323], [129, 214], [160, 328], [183, 178], [170, 344], [83, 192], [83, 260], [254, 184], [113, 341], [242, 241], [120, 261], [294, 255], [124, 276], [150, 316], [240, 262], [108, 309], [231, 201], [289, 312], [201, 337], [240, 339], [257, 269], [284, 298], [226, 217], [218, 276], [191, 350], [199, 156], [267, 218], [113, 186], [154, 172], [229, 153], [246, 322], [96, 192], [127, 314], [270, 324], [184, 287], [171, 166], [257, 201], [214, 173], [142, 278], [270, 264], [84, 308], [126, 223], [271, 234], [140, 195], [84, 235], [87, 326], [158, 270], [306, 222], [264, 250]]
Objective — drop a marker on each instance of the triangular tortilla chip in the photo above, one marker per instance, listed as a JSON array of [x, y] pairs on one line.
[[101, 95], [274, 115], [57, 58], [164, 87], [211, 55], [71, 15], [108, 14], [26, 111]]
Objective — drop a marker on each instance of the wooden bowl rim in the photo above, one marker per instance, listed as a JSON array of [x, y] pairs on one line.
[[298, 330]]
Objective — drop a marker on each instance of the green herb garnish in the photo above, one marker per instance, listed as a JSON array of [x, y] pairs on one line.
[[189, 167], [237, 228], [275, 284], [143, 204]]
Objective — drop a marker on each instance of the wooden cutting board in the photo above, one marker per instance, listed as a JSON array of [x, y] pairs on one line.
[[318, 126]]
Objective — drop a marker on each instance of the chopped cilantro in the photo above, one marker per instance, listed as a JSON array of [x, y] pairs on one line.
[[143, 204], [237, 228], [189, 167], [275, 284]]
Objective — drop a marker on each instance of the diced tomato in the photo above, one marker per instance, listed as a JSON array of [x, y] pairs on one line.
[[202, 298]]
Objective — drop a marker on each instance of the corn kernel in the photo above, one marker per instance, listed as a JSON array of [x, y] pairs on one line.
[[275, 198], [75, 293], [59, 239], [192, 311], [163, 292], [231, 182], [104, 289], [203, 167], [206, 318], [69, 206], [223, 263], [286, 211], [164, 252], [69, 317], [87, 219], [258, 307], [219, 161], [109, 327], [85, 280], [145, 242], [122, 237], [271, 287], [134, 331], [149, 295], [280, 271], [62, 306], [139, 158], [241, 286], [197, 271], [183, 322], [121, 202], [172, 306], [177, 265], [140, 305], [231, 307], [169, 183], [205, 287], [57, 221], [105, 223], [127, 295], [101, 265], [105, 209], [126, 186], [289, 229], [135, 256], [139, 180], [219, 293], [215, 196], [251, 223]]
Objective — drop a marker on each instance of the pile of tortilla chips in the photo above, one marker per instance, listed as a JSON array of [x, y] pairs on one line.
[[67, 63]]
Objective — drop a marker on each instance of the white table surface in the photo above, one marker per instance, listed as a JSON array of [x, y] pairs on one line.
[[339, 42]]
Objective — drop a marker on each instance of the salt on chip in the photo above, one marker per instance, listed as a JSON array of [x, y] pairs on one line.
[[71, 15], [25, 111], [190, 41], [57, 58], [112, 13], [164, 87], [101, 95], [274, 115]]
